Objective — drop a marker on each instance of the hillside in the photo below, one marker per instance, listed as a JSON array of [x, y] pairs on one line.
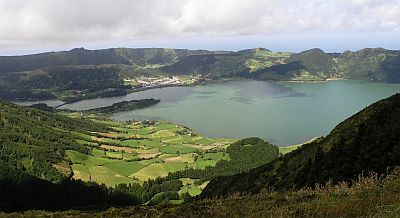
[[83, 74], [81, 56], [370, 64], [369, 196], [236, 64], [88, 160], [313, 64], [367, 141]]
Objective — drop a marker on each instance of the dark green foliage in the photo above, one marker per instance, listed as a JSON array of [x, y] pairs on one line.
[[368, 196], [244, 155], [196, 64], [24, 94], [281, 71], [127, 106], [21, 191], [390, 67], [368, 141], [74, 78], [163, 197], [80, 56], [90, 74], [315, 60], [32, 140], [370, 64], [42, 106]]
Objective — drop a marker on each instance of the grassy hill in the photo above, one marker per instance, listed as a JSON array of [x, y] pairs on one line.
[[368, 141], [368, 196], [81, 56], [64, 75], [236, 64], [370, 64], [40, 152], [90, 161]]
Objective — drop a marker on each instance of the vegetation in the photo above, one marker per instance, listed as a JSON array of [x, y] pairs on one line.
[[55, 161], [126, 106], [131, 160], [368, 196], [82, 74], [365, 142]]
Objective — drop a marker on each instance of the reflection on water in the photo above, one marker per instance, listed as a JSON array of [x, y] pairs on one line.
[[283, 113]]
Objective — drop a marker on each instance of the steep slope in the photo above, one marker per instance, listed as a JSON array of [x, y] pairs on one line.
[[315, 60], [375, 64], [34, 141], [313, 64], [367, 141], [235, 64], [369, 196], [81, 56]]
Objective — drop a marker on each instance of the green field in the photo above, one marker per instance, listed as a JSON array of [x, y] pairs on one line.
[[134, 153], [177, 149], [287, 149], [125, 168], [157, 170]]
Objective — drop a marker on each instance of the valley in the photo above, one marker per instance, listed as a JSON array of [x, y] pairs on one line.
[[116, 133]]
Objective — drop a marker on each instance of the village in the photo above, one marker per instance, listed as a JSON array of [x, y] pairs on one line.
[[153, 82]]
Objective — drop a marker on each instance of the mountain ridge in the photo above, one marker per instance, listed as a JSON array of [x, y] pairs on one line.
[[31, 77]]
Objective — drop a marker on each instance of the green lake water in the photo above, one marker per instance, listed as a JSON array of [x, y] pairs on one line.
[[283, 113]]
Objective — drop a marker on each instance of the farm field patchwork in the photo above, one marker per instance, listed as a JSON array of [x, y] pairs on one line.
[[134, 152]]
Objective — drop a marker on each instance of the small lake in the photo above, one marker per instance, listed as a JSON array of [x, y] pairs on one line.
[[283, 113]]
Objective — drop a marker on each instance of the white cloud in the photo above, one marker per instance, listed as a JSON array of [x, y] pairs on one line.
[[25, 22]]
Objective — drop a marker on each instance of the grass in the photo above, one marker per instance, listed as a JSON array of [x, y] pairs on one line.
[[151, 143], [109, 140], [204, 141], [215, 156], [146, 151], [155, 170], [125, 168], [86, 160], [187, 181], [174, 149], [367, 197], [97, 153], [287, 149], [103, 175], [191, 189], [114, 155], [202, 164], [131, 143], [80, 172], [162, 133]]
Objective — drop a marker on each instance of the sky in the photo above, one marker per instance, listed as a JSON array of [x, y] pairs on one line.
[[32, 26]]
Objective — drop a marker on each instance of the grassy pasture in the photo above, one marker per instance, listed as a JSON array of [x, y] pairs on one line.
[[202, 164], [204, 141], [287, 149], [155, 170], [80, 172], [131, 143], [86, 160], [125, 168], [103, 175], [138, 152], [174, 149]]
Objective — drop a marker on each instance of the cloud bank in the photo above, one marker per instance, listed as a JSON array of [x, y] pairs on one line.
[[27, 22]]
